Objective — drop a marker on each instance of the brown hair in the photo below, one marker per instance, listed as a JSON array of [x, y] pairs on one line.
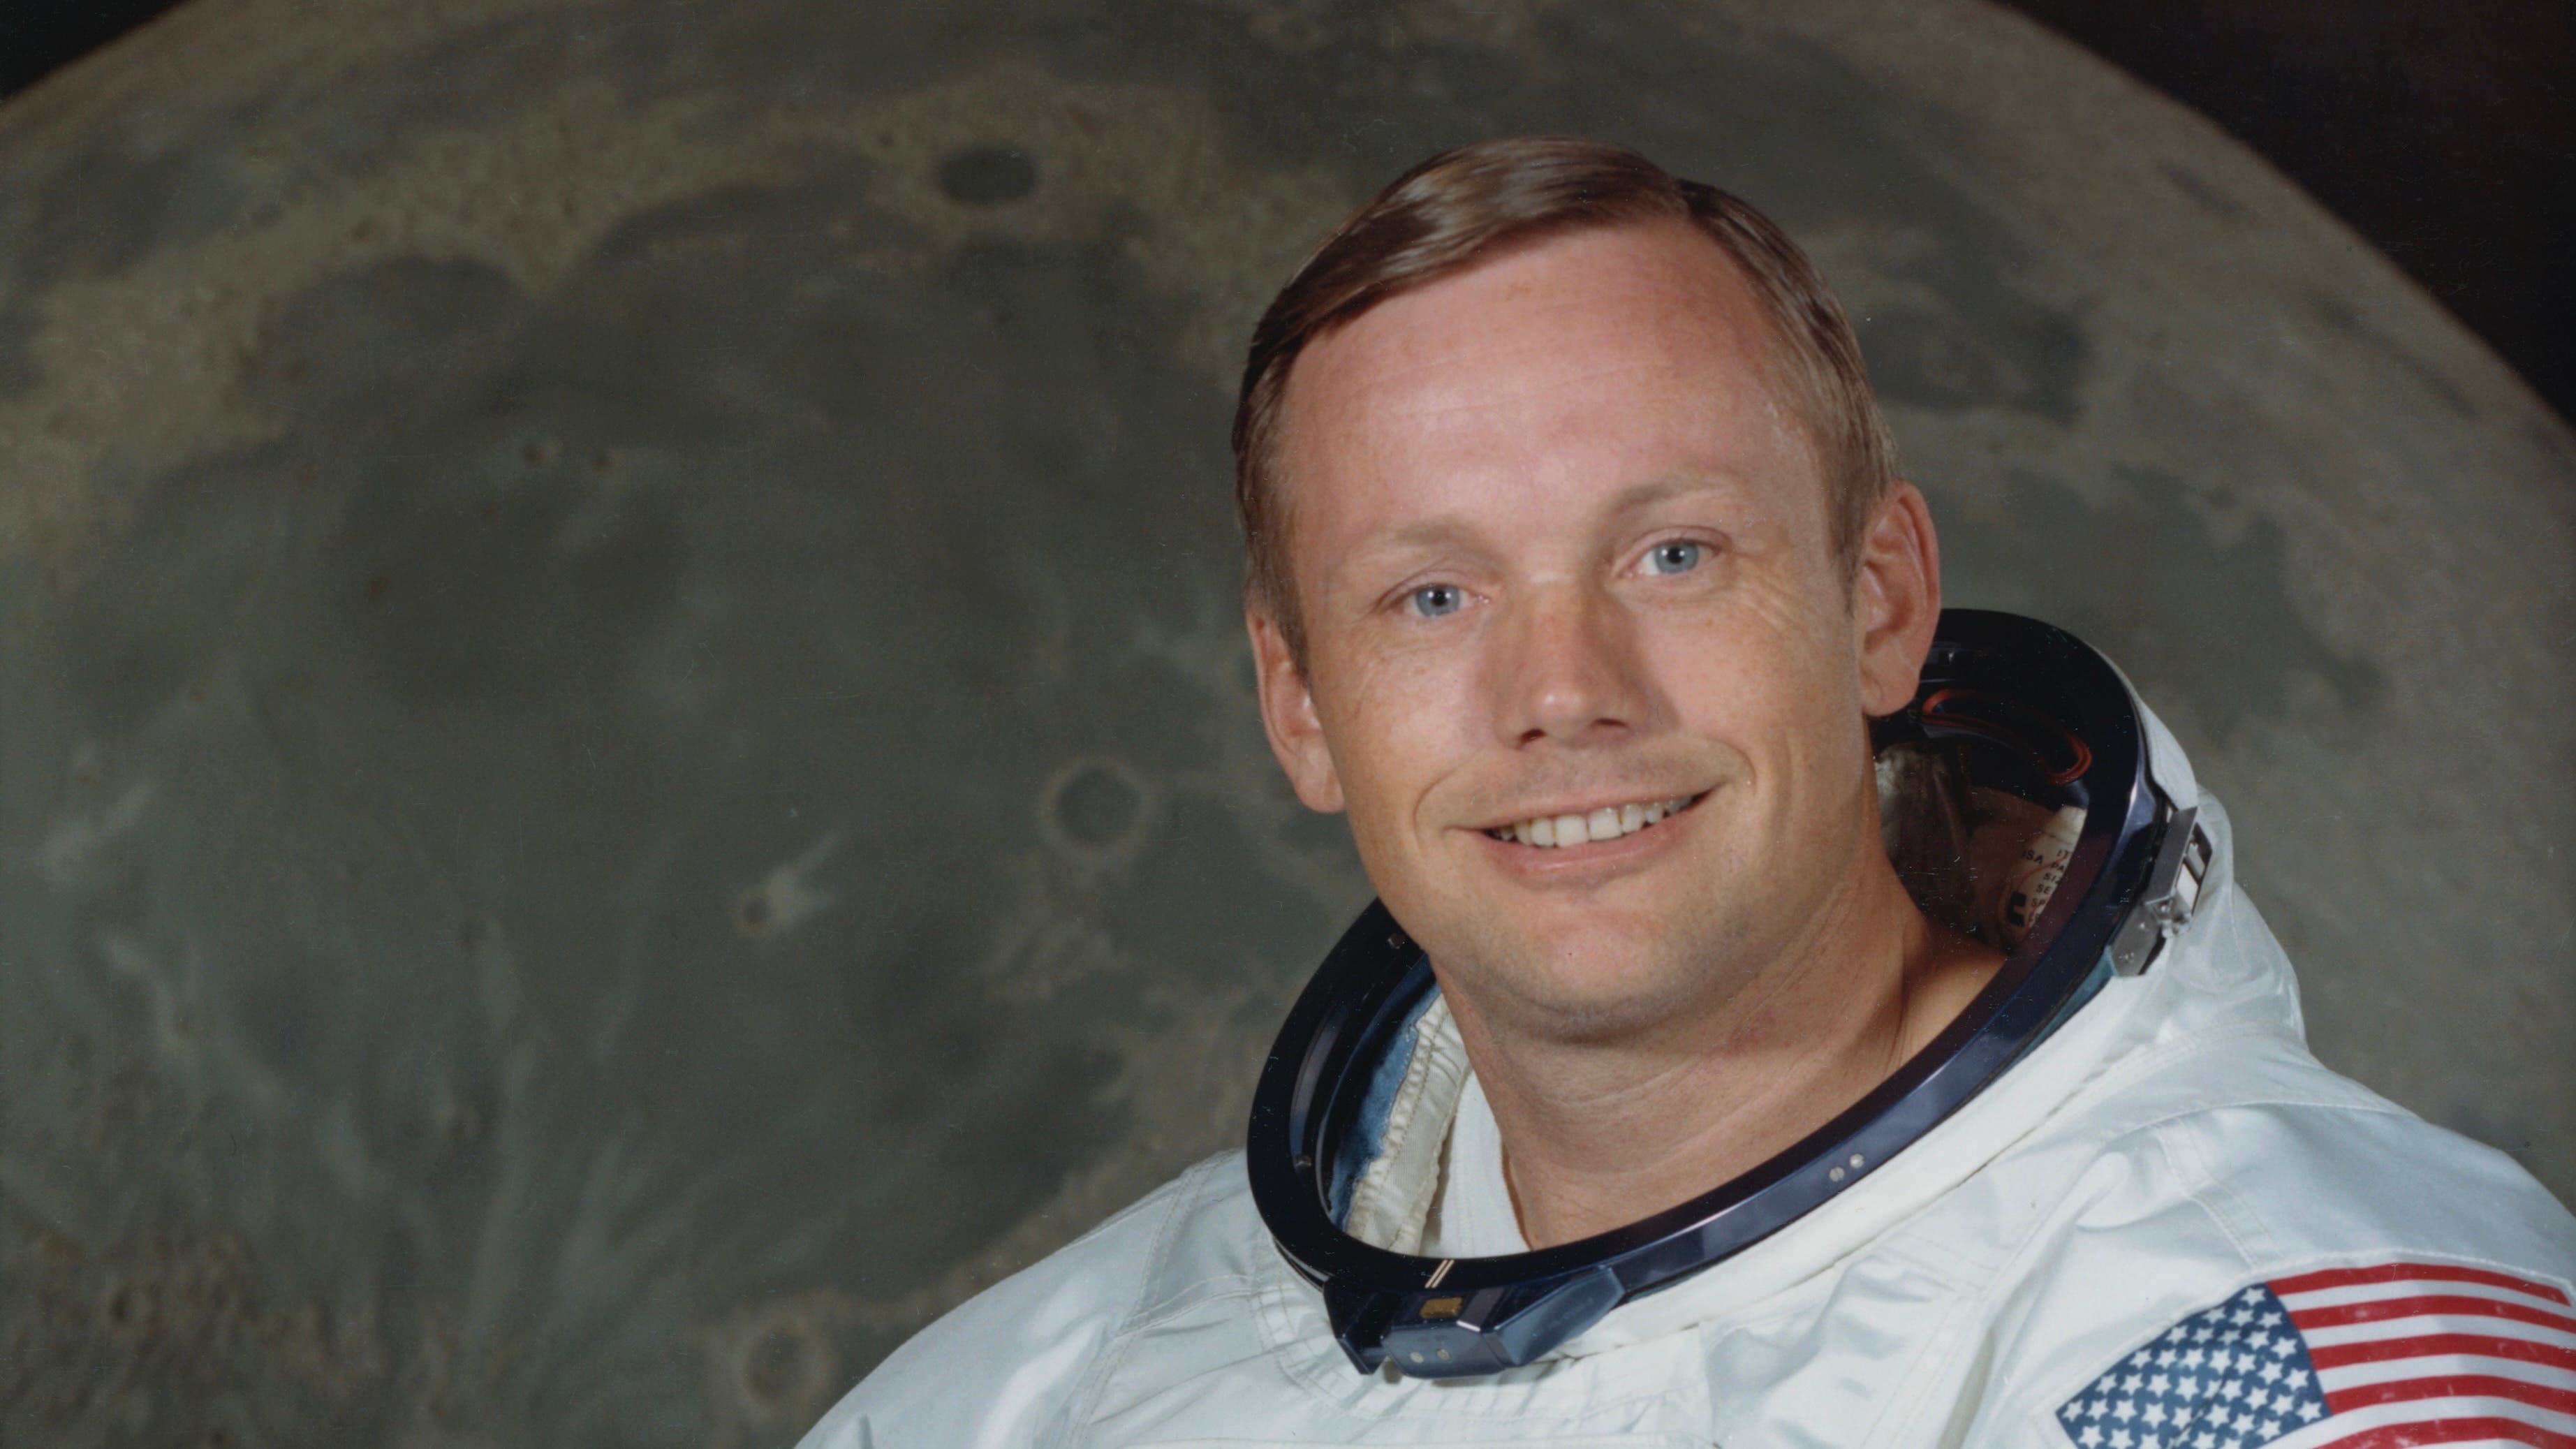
[[1463, 206]]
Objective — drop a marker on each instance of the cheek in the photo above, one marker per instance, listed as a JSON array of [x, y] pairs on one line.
[[1772, 677], [1394, 726]]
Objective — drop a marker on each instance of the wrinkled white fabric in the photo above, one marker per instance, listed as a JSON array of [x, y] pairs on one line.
[[2172, 1143], [1393, 1200]]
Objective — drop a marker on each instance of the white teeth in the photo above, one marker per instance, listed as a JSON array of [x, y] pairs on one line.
[[1607, 823]]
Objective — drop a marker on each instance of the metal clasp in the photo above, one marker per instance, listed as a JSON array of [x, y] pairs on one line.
[[2172, 893]]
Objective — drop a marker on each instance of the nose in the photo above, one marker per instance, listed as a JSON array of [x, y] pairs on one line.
[[1571, 671]]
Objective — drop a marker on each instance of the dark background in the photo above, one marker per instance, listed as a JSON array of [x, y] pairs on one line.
[[2442, 130]]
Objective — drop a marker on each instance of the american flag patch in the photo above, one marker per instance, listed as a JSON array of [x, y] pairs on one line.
[[2360, 1358]]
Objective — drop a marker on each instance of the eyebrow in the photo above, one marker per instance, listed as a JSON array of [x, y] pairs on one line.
[[1429, 533], [1638, 496]]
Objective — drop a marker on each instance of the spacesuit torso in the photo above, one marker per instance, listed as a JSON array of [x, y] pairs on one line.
[[2165, 1224]]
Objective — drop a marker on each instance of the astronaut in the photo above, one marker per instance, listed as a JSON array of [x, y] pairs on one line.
[[1793, 1017]]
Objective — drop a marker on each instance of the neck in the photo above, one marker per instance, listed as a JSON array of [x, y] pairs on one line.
[[1598, 1134]]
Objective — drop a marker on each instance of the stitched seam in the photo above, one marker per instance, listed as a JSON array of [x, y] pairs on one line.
[[1182, 1307], [2156, 1060], [2155, 1063], [1105, 1360], [1988, 1303], [2179, 1115], [2043, 1411], [1929, 1368], [2244, 1228], [2194, 1175]]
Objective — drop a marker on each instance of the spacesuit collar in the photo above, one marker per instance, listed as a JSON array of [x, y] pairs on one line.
[[2028, 800], [1408, 1163]]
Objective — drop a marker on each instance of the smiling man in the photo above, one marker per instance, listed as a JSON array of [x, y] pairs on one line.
[[1762, 1041], [1558, 562]]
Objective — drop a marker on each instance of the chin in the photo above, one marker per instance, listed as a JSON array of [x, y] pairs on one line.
[[1580, 984]]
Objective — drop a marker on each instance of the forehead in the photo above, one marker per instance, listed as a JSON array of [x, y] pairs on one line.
[[1590, 361]]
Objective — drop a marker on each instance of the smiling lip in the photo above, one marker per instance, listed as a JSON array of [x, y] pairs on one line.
[[1586, 827]]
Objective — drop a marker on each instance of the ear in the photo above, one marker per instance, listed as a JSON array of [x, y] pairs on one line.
[[1288, 716], [1896, 599]]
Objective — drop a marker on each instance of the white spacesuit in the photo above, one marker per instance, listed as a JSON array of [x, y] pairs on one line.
[[2167, 1224]]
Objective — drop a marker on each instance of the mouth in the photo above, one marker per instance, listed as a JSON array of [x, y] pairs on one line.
[[1608, 822]]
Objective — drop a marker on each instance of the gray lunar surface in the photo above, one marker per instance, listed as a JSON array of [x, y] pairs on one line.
[[626, 759]]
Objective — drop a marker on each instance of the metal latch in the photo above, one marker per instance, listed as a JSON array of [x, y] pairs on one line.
[[2172, 891]]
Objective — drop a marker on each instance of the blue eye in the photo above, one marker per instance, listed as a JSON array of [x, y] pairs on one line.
[[1677, 557], [1433, 600]]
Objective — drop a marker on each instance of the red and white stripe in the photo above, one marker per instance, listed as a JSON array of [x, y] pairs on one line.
[[2433, 1353]]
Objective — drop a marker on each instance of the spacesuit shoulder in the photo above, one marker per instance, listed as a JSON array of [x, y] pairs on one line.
[[2281, 1180], [2313, 1181], [1013, 1364]]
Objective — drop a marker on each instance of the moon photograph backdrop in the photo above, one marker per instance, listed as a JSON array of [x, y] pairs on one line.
[[627, 758]]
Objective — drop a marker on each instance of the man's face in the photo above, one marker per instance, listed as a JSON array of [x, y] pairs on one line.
[[1562, 557]]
